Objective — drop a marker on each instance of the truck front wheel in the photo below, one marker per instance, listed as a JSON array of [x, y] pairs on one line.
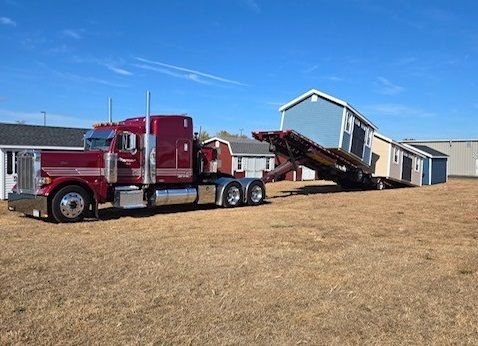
[[69, 204]]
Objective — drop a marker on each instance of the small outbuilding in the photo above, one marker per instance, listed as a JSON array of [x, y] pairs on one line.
[[332, 123], [242, 157], [396, 163], [18, 137], [435, 165]]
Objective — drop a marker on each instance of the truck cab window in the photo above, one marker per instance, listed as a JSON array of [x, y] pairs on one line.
[[126, 141]]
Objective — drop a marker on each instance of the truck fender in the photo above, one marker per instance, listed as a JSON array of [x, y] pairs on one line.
[[221, 184], [246, 184], [63, 181]]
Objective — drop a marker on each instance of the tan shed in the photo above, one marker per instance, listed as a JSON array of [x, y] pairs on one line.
[[395, 162]]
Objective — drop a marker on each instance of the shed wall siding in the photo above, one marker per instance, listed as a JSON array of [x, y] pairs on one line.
[[396, 168], [2, 174], [321, 121], [416, 175], [367, 152], [346, 141], [380, 157], [439, 171], [462, 156]]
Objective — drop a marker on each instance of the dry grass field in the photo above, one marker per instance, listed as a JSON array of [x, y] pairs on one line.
[[313, 266]]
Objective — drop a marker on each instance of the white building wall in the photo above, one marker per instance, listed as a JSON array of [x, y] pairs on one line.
[[3, 169]]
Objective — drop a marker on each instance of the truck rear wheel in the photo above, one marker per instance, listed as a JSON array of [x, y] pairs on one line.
[[70, 204], [233, 195], [256, 193]]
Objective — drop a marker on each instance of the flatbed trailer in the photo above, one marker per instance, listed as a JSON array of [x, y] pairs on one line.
[[331, 165]]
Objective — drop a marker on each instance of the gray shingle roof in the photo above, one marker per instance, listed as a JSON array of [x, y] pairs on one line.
[[248, 146], [34, 135], [428, 150]]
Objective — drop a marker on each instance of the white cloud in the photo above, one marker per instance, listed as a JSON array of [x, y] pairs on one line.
[[189, 76], [69, 33], [252, 5], [118, 70], [397, 110], [7, 21], [388, 88], [190, 71]]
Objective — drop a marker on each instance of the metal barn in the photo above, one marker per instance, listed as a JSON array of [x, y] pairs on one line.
[[396, 162], [18, 137], [332, 123], [462, 154]]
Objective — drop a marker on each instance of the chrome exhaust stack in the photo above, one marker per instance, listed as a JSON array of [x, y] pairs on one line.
[[149, 146]]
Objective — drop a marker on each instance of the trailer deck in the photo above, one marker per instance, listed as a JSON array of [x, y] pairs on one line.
[[300, 150]]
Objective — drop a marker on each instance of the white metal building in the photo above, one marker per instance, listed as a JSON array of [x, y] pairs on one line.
[[462, 154], [18, 137]]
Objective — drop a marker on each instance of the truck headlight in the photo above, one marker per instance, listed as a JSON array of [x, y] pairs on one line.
[[41, 181]]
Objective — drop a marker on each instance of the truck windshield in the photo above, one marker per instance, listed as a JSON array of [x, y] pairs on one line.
[[99, 139]]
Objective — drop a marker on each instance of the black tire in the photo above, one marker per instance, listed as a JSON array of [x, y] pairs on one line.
[[346, 184], [233, 195], [70, 204], [256, 193]]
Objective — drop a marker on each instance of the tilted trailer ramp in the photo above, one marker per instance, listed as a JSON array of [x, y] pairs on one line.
[[302, 151]]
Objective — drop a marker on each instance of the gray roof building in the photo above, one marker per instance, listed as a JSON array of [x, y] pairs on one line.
[[428, 150], [248, 146], [21, 135]]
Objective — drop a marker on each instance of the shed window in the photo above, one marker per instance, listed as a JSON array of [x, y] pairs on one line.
[[348, 123], [369, 138], [239, 163], [10, 162], [396, 155], [268, 164], [418, 162]]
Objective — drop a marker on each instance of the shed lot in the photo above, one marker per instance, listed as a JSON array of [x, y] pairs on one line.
[[309, 267]]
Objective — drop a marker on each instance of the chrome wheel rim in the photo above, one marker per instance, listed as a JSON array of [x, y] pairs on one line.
[[233, 195], [72, 205], [256, 194]]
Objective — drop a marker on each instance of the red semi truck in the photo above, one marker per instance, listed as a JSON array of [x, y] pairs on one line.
[[140, 162]]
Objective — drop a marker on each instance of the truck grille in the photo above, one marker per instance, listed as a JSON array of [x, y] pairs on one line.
[[26, 172]]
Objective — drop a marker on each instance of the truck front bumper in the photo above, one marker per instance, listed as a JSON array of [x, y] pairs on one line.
[[27, 204]]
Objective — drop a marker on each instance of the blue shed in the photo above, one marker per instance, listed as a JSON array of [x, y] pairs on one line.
[[332, 123], [435, 165]]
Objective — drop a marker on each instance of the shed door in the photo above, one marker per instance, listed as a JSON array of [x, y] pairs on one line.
[[358, 140], [407, 168]]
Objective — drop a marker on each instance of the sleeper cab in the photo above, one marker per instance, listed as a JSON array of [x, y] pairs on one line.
[[332, 123]]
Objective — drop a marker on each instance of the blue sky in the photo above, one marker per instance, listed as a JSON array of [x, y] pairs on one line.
[[410, 66]]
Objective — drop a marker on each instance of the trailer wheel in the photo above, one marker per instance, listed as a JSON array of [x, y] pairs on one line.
[[256, 193], [380, 185], [70, 204], [233, 195]]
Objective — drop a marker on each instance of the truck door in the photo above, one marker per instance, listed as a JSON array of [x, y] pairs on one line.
[[183, 158], [129, 158]]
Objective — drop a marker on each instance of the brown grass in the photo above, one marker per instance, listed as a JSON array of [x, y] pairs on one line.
[[314, 265]]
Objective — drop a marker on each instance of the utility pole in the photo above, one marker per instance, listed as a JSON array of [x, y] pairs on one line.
[[44, 117], [240, 130]]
